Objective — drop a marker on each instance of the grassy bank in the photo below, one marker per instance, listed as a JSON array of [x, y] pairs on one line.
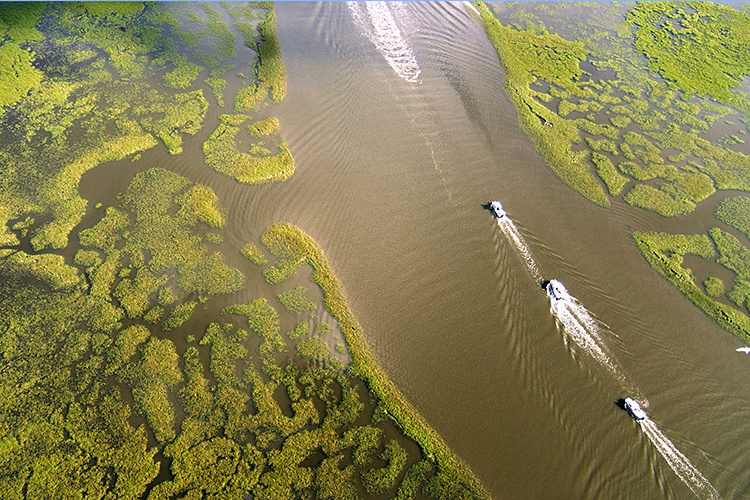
[[665, 253], [552, 136], [638, 105], [236, 406], [293, 248]]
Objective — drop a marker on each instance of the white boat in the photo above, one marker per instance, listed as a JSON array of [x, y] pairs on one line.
[[556, 290], [634, 409], [497, 209], [746, 350]]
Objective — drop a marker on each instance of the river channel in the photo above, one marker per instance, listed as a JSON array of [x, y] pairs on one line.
[[401, 132]]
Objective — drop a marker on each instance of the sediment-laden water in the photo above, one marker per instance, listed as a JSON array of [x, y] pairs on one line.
[[679, 462], [392, 175], [582, 333], [401, 132]]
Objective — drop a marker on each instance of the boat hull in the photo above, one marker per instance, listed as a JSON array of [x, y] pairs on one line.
[[634, 409], [497, 209]]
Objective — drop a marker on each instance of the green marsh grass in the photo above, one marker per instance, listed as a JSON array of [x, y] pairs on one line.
[[653, 107], [735, 212], [323, 328], [124, 409], [296, 300], [293, 248], [665, 252], [314, 349], [223, 156], [714, 287], [300, 330], [264, 128], [254, 254]]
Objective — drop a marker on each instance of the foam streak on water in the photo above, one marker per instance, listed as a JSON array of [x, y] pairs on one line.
[[583, 316], [679, 462], [384, 33], [511, 232], [568, 312]]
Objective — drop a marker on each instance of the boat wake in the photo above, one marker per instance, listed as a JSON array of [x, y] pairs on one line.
[[679, 462], [583, 331], [574, 320], [377, 22], [579, 327], [511, 232]]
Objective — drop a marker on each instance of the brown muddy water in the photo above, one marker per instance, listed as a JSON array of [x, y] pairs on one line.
[[401, 132]]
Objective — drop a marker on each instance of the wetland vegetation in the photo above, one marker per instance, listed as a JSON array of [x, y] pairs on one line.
[[115, 382], [608, 105], [645, 102]]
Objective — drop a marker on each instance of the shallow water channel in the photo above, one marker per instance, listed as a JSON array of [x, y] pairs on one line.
[[394, 164]]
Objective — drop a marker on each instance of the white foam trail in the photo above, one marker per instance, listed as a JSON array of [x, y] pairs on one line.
[[584, 317], [566, 311], [384, 33], [511, 232], [581, 328], [679, 462]]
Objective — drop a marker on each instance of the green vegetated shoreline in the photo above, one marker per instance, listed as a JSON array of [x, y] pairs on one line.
[[92, 388], [112, 384], [294, 248], [638, 124], [550, 135], [664, 252], [634, 134]]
